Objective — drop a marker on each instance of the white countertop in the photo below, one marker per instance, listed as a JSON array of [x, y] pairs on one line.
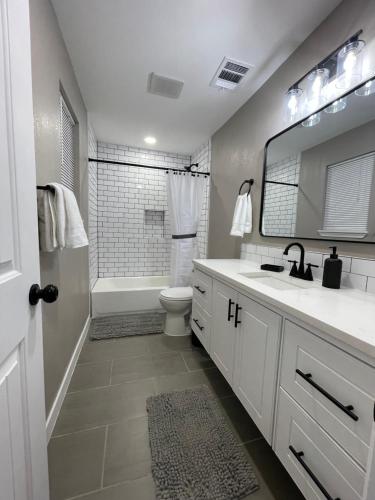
[[345, 314]]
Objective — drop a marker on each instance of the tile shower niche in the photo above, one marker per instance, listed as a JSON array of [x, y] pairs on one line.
[[154, 223]]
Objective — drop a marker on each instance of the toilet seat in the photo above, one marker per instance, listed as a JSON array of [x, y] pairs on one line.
[[177, 293]]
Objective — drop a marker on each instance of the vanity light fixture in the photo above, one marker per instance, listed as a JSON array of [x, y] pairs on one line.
[[150, 140], [342, 69], [367, 89]]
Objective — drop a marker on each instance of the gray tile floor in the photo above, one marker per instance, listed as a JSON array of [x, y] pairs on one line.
[[99, 449]]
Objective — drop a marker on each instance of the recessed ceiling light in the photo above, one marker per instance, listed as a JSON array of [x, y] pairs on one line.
[[150, 140]]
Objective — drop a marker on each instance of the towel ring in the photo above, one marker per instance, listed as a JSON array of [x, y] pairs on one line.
[[250, 182]]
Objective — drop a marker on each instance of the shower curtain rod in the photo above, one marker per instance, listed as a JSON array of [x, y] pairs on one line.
[[186, 169]]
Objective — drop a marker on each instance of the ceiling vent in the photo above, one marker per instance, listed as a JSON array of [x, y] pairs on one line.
[[230, 74], [166, 87]]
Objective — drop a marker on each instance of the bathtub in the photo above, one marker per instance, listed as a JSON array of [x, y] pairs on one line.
[[122, 295]]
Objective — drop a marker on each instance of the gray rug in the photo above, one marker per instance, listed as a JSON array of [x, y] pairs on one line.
[[126, 325], [195, 455]]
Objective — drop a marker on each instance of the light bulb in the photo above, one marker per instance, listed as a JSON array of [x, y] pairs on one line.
[[292, 111], [349, 64]]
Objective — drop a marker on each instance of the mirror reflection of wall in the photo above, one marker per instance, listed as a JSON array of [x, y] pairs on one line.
[[332, 165]]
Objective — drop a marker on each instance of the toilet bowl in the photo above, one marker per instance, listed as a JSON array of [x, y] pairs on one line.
[[177, 303]]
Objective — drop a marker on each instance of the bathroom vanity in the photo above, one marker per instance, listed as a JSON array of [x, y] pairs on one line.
[[301, 359]]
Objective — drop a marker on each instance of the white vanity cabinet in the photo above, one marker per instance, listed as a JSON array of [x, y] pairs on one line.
[[256, 361], [202, 308], [244, 345], [223, 338], [311, 395]]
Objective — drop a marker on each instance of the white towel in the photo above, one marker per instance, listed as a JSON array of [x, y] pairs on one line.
[[46, 222], [243, 215], [70, 232]]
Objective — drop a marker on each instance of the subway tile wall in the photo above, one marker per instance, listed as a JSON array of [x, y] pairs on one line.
[[357, 273], [203, 156], [280, 209], [133, 224], [93, 208]]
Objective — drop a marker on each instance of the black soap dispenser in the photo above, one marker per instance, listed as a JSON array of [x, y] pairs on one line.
[[332, 270]]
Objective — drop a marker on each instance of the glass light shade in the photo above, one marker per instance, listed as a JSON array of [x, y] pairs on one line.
[[349, 65], [316, 81], [293, 105], [312, 120], [336, 106], [366, 89]]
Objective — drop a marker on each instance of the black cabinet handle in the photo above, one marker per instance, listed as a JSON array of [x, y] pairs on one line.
[[48, 294], [346, 409], [230, 304], [299, 455], [236, 320], [199, 289], [198, 325]]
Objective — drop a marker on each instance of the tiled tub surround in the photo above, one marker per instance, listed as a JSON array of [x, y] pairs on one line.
[[202, 155], [280, 209], [357, 273], [93, 207], [133, 223]]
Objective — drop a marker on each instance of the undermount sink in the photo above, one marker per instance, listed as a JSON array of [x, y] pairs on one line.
[[276, 282]]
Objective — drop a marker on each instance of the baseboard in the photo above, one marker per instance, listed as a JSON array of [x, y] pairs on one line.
[[56, 407]]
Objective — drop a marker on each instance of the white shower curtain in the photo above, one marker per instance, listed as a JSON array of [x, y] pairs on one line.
[[185, 199]]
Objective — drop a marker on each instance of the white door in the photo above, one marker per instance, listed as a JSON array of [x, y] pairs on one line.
[[258, 339], [23, 458], [223, 331]]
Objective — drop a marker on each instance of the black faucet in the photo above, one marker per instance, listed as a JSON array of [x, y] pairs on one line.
[[301, 268]]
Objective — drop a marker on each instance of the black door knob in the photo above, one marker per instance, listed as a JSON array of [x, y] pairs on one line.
[[49, 294]]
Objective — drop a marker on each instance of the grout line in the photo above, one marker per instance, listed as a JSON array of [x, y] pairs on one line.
[[54, 436], [183, 359], [114, 485], [104, 455], [111, 372]]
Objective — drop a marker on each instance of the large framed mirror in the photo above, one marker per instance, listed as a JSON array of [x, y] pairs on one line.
[[318, 179]]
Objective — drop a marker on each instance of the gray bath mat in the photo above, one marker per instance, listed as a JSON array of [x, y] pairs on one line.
[[195, 455], [126, 325]]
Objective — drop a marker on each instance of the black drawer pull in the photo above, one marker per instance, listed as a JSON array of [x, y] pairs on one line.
[[299, 455], [346, 409], [198, 325], [197, 287], [236, 320], [230, 304]]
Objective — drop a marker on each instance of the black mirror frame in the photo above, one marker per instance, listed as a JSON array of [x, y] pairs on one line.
[[349, 92]]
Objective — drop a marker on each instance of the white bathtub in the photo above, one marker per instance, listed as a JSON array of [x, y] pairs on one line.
[[122, 295]]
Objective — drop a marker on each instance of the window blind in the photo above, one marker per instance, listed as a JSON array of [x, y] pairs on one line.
[[67, 123], [348, 196]]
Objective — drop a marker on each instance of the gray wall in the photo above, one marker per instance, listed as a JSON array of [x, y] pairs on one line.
[[68, 269], [313, 177], [237, 148]]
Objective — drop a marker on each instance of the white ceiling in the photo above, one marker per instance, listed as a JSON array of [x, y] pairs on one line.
[[115, 44]]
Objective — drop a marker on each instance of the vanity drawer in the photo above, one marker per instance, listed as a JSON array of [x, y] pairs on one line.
[[337, 473], [202, 290], [201, 324], [335, 388]]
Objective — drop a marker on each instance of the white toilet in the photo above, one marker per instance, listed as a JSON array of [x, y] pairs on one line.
[[177, 302]]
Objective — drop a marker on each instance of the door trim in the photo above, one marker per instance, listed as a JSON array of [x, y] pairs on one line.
[[61, 393]]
